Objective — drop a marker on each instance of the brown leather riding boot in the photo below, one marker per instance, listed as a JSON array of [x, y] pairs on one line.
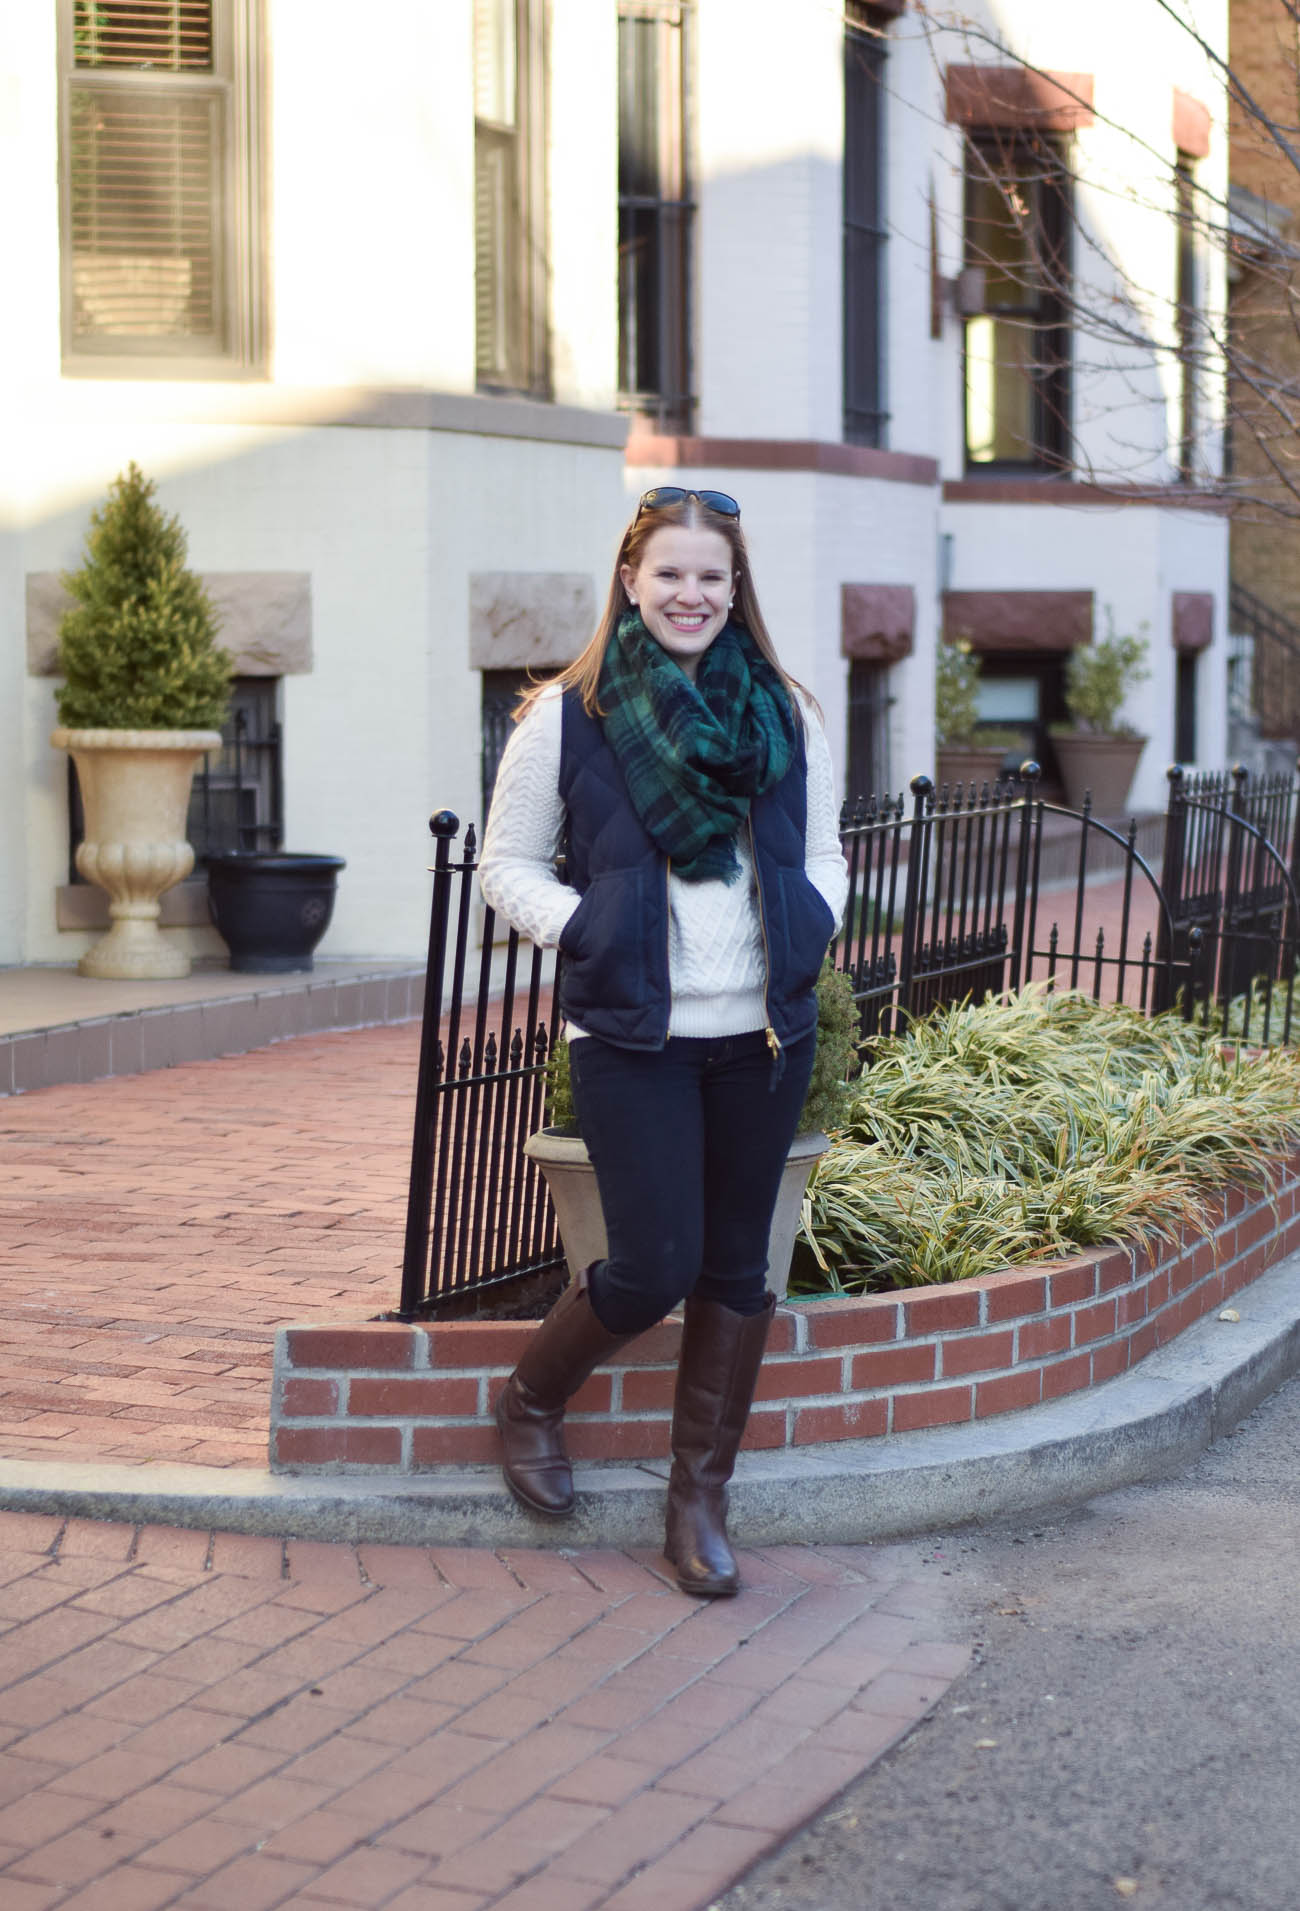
[[718, 1371], [567, 1347]]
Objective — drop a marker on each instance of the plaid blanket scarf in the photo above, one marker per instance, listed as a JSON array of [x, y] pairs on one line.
[[695, 754]]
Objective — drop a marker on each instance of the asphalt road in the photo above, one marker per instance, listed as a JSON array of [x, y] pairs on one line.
[[1130, 1730]]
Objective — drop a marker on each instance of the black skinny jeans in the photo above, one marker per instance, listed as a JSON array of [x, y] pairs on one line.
[[688, 1143]]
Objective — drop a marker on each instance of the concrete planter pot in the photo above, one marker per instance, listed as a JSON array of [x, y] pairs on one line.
[[571, 1179], [135, 791], [955, 764], [1104, 766]]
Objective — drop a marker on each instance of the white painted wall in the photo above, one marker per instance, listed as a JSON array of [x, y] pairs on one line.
[[770, 142], [583, 203], [372, 194]]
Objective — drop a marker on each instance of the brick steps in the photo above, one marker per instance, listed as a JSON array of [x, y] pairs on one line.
[[388, 1397]]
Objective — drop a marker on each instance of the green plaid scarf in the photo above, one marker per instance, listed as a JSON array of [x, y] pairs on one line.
[[695, 754]]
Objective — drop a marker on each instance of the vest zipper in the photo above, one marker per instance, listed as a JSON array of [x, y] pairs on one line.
[[668, 941], [773, 1039]]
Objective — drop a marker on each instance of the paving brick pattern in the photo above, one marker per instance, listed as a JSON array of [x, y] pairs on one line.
[[210, 1721], [155, 1230]]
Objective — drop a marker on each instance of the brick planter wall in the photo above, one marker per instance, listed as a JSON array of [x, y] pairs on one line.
[[392, 1398]]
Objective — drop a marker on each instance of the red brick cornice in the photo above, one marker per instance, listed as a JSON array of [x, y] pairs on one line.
[[1017, 98]]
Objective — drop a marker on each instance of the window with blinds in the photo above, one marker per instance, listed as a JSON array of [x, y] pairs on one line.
[[510, 194], [159, 182], [655, 212]]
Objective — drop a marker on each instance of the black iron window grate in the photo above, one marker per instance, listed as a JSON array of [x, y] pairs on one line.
[[868, 752]]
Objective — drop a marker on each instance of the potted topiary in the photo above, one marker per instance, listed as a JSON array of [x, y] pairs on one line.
[[1097, 753], [964, 753], [561, 1154], [146, 689]]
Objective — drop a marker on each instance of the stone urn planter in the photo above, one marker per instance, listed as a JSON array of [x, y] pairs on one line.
[[135, 791], [955, 764], [272, 907], [1104, 765], [571, 1179]]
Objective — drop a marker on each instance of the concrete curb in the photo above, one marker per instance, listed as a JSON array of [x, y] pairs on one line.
[[1151, 1421]]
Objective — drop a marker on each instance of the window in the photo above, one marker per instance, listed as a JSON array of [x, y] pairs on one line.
[[502, 690], [868, 752], [864, 226], [510, 195], [159, 186], [1187, 296], [1017, 345], [1025, 692], [654, 213], [1185, 706], [237, 797]]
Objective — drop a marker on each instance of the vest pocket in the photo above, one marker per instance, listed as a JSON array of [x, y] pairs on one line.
[[807, 927], [604, 944]]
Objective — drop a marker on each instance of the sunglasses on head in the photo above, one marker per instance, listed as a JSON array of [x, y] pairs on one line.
[[664, 495]]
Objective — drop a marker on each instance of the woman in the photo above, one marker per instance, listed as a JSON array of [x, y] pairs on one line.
[[689, 786]]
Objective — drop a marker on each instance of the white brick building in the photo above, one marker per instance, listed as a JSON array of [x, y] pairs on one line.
[[376, 316]]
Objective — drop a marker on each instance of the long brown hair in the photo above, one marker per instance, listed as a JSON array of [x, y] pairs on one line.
[[583, 674]]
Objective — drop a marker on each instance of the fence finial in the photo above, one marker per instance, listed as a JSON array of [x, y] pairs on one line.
[[444, 823]]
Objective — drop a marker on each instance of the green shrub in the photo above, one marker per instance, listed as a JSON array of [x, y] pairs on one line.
[[1099, 676], [956, 712], [988, 1137], [139, 651]]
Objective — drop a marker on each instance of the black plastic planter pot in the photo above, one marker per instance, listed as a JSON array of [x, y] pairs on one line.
[[272, 908]]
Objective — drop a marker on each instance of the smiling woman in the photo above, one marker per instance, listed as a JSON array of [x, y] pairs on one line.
[[689, 781], [683, 590]]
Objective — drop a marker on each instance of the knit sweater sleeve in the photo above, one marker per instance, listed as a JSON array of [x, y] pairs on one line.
[[524, 826], [824, 860]]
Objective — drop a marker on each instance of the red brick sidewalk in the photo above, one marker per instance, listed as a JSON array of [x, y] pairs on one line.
[[156, 1229], [211, 1722]]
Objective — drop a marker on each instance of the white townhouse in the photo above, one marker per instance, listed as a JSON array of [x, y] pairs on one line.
[[403, 322]]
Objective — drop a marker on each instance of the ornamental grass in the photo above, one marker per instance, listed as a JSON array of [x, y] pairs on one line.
[[990, 1136]]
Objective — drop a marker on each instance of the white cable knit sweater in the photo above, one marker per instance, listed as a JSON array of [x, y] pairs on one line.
[[715, 947]]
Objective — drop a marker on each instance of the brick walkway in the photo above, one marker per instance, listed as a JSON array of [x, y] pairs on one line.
[[211, 1722], [156, 1229]]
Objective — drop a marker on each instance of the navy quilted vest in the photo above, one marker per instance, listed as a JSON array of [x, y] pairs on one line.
[[614, 980]]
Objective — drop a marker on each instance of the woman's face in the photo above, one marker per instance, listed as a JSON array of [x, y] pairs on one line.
[[682, 587]]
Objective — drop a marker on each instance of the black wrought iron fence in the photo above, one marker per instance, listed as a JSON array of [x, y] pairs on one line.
[[477, 1214], [948, 898], [1230, 874]]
